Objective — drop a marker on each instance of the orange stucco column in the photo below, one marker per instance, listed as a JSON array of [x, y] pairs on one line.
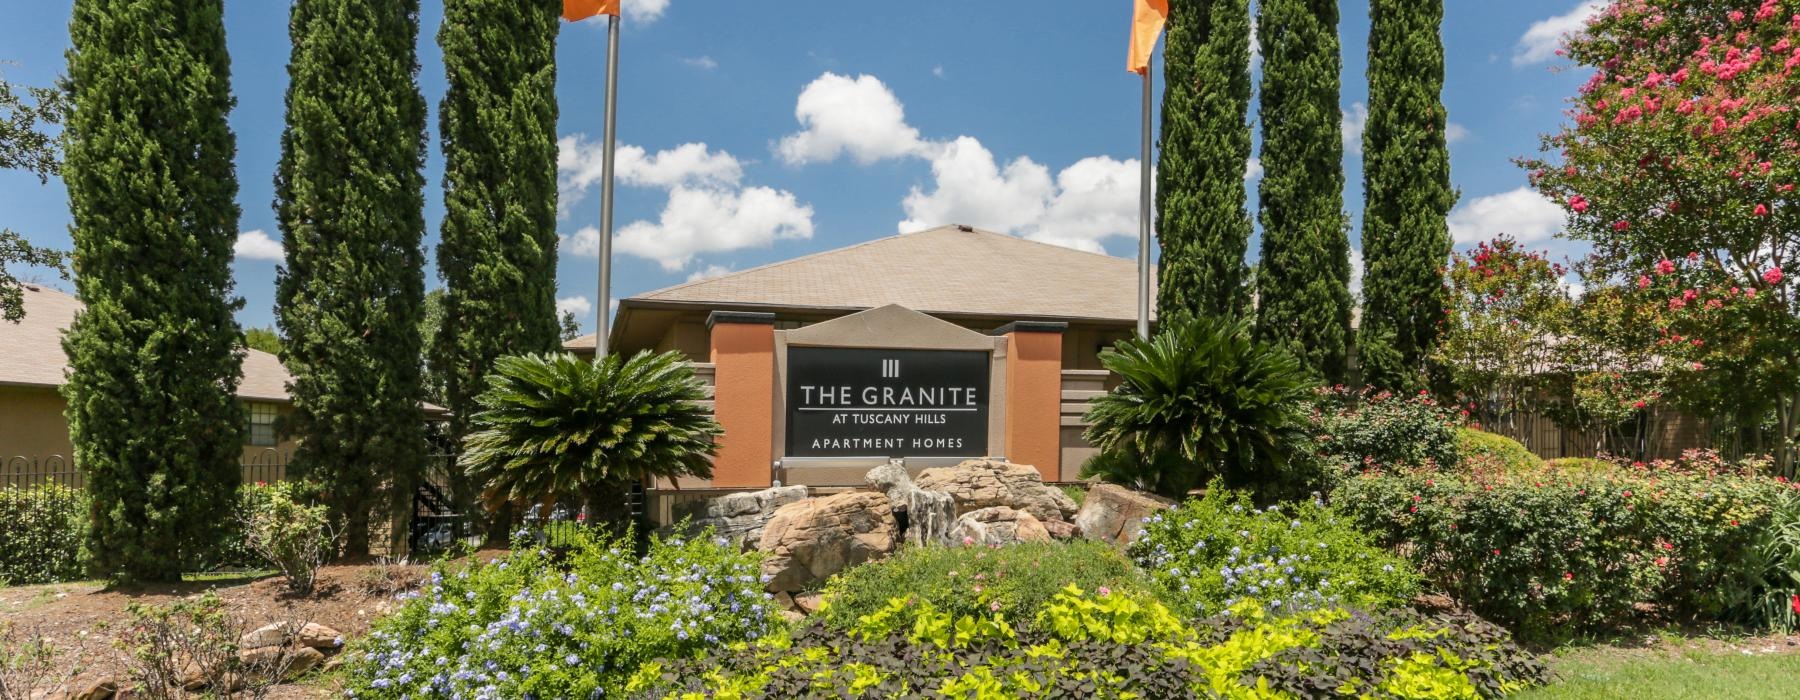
[[743, 356], [1034, 395]]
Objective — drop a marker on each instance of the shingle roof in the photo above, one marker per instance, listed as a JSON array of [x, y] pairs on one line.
[[31, 351], [943, 270]]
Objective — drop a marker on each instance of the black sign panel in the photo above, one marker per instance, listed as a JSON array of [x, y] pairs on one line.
[[861, 402]]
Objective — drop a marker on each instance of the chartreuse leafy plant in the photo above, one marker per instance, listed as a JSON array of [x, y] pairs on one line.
[[528, 625], [1201, 400], [1014, 580], [1556, 553], [559, 425], [1213, 552], [1109, 644]]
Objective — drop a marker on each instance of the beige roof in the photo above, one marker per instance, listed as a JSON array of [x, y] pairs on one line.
[[31, 351], [944, 270]]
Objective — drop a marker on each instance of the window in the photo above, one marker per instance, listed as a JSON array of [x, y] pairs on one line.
[[259, 430]]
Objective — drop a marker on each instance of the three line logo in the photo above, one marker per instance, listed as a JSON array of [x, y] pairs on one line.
[[890, 369]]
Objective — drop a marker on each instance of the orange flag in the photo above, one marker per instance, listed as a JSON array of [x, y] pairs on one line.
[[577, 10], [1147, 19]]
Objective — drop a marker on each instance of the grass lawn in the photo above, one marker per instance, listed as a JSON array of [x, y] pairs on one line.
[[1608, 673]]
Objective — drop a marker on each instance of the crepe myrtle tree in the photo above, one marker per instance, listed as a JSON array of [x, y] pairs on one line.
[[1683, 157], [555, 426], [1507, 310]]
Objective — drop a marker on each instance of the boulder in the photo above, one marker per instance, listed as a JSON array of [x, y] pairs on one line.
[[984, 483], [739, 516], [273, 634], [808, 541], [926, 516], [998, 525], [809, 603], [88, 686], [1115, 514], [319, 637], [286, 662], [1062, 529]]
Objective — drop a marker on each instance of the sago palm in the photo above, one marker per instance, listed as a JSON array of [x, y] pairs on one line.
[[557, 426], [1200, 400]]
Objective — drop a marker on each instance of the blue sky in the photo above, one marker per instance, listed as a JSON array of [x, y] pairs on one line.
[[756, 132]]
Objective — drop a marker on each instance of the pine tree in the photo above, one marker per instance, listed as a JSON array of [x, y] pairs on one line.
[[1201, 223], [1303, 282], [1406, 192], [497, 251], [349, 197], [154, 359]]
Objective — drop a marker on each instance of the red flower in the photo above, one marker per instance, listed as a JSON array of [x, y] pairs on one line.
[[1622, 225], [1772, 275], [1795, 603], [1568, 576], [1496, 552], [1578, 203], [1643, 281], [1761, 210], [1665, 266]]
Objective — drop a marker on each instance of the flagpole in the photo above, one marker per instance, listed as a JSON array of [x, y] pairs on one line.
[[603, 313], [1143, 310]]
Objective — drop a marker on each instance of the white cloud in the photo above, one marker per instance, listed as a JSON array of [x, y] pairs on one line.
[[708, 272], [1094, 199], [1521, 213], [859, 117], [701, 62], [1355, 118], [257, 245], [645, 11], [1253, 168], [708, 208], [1454, 132], [1356, 272], [579, 164], [709, 220], [937, 71], [578, 305], [1542, 40]]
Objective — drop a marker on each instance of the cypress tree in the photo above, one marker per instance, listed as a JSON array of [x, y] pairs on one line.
[[497, 248], [154, 359], [1406, 192], [350, 196], [1303, 282], [1201, 223]]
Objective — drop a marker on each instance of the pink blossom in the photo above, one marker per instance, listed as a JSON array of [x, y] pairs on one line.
[[1103, 591], [1665, 267], [1578, 203], [1622, 225], [1772, 275], [1761, 210], [1736, 16], [1643, 281]]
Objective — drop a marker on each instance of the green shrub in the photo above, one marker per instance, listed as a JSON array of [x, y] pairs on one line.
[[1772, 576], [560, 425], [1381, 430], [528, 625], [1485, 450], [232, 550], [1555, 554], [1110, 644], [292, 536], [1578, 465], [1209, 553], [1202, 400], [1014, 580], [45, 527]]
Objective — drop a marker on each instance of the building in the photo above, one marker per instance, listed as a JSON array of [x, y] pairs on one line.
[[34, 434], [929, 347]]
